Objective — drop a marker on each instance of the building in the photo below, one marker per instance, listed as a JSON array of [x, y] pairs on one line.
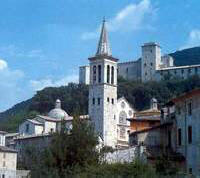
[[151, 66], [46, 124], [84, 75], [145, 119], [185, 116], [124, 111], [106, 111], [8, 161]]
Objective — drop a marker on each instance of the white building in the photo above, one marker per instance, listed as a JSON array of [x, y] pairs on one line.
[[8, 161], [46, 124], [185, 136], [108, 114], [124, 111], [84, 74]]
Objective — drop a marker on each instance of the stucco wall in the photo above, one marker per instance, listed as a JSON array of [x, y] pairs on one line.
[[8, 160], [190, 150]]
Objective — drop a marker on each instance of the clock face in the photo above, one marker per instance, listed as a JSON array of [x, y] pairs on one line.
[[123, 105]]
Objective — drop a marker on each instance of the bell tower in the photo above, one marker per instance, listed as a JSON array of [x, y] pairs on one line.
[[103, 90]]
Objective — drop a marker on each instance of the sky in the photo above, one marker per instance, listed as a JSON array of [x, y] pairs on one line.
[[43, 42]]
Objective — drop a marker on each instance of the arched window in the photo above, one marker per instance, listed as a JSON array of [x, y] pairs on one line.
[[108, 74], [122, 117], [99, 73], [122, 132], [94, 74], [112, 75]]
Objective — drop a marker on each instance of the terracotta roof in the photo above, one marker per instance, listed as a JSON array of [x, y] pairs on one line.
[[148, 111], [144, 119], [151, 128], [189, 94]]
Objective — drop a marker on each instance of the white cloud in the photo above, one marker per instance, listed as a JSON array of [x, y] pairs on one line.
[[10, 89], [40, 84], [130, 18], [193, 39], [14, 51], [3, 64]]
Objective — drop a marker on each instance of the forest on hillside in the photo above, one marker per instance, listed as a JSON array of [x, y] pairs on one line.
[[74, 98]]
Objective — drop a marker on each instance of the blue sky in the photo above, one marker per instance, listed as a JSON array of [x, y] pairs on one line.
[[43, 42]]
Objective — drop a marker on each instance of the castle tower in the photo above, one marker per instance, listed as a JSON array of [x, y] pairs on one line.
[[151, 61], [103, 91]]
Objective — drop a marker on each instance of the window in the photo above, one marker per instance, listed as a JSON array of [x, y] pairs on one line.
[[189, 71], [112, 75], [190, 108], [122, 117], [98, 101], [145, 73], [108, 99], [182, 71], [151, 50], [196, 70], [189, 134], [151, 64], [190, 170], [112, 100], [94, 73], [99, 73], [93, 101], [108, 74], [179, 137], [3, 175], [175, 72], [178, 110], [145, 64], [27, 128], [122, 132]]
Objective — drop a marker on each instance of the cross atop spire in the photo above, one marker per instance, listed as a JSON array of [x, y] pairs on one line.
[[103, 46]]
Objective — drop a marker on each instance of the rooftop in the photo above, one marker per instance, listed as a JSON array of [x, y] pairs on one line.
[[6, 149]]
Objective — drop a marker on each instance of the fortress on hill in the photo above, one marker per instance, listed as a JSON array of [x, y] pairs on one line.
[[150, 66]]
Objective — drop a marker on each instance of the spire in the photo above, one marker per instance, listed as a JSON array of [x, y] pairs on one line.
[[103, 46]]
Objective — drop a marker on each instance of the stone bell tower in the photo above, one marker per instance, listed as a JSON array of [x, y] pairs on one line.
[[103, 90]]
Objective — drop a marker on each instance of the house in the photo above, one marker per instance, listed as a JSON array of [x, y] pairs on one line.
[[8, 161], [186, 128], [145, 119]]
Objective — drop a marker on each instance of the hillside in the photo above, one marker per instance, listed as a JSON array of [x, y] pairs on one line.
[[190, 56], [74, 97]]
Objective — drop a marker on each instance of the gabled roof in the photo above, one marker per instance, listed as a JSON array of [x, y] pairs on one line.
[[186, 95], [34, 121], [123, 98], [151, 128]]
